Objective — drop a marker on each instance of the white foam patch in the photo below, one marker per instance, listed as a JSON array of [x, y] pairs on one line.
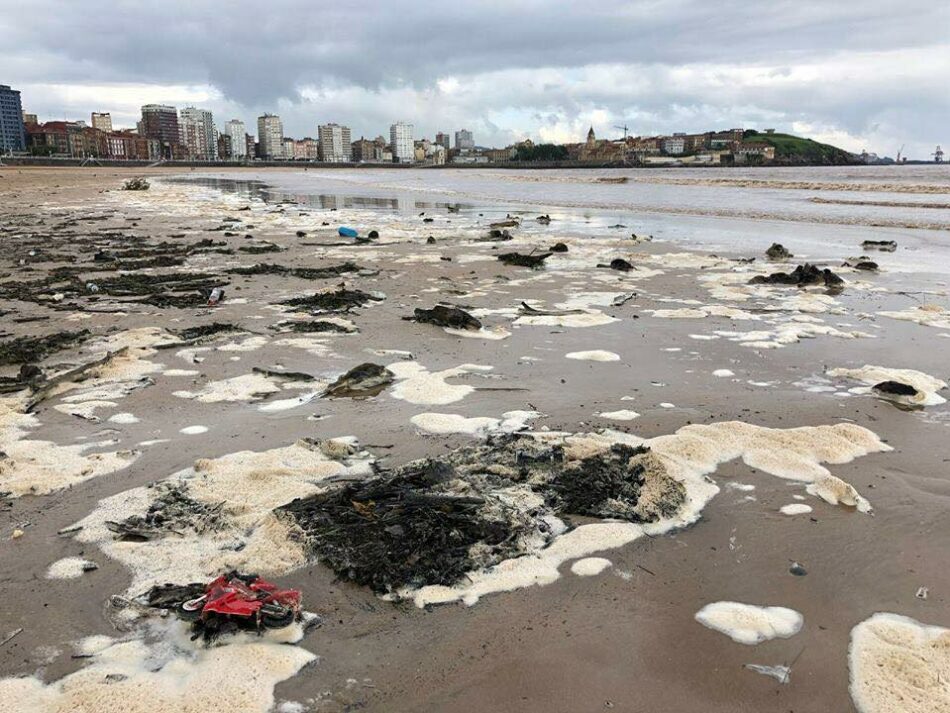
[[69, 568], [33, 467], [446, 423], [248, 387], [590, 566], [418, 385], [287, 404], [689, 455], [194, 430], [795, 509], [593, 318], [928, 315], [621, 415], [492, 334], [926, 385], [789, 333], [900, 665], [250, 485], [124, 418], [180, 372], [750, 624], [723, 373], [247, 345], [167, 673], [593, 355], [312, 345]]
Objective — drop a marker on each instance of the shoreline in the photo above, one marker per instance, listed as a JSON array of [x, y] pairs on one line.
[[579, 641]]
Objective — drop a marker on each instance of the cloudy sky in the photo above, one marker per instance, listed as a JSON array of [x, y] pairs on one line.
[[861, 74]]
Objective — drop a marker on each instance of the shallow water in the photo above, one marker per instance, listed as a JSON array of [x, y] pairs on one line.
[[715, 209]]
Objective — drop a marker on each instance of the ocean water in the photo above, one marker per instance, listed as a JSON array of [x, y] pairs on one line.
[[821, 213]]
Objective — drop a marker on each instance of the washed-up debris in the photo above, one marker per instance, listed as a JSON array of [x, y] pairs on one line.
[[136, 184], [403, 529], [445, 316], [777, 251], [431, 521], [887, 246], [618, 263], [314, 327], [137, 285], [922, 593], [521, 260], [345, 232], [305, 273], [496, 235], [544, 219], [867, 265], [260, 248], [172, 511], [801, 276], [372, 235], [797, 570], [30, 376], [430, 240], [339, 300], [558, 248], [360, 382], [894, 389], [510, 223], [185, 301], [28, 350], [282, 375], [216, 296], [527, 309], [230, 603], [202, 332]]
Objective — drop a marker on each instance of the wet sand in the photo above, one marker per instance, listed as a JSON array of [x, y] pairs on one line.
[[625, 638]]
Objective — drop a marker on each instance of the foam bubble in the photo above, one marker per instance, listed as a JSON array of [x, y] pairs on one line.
[[926, 385], [445, 423], [594, 355], [621, 415], [750, 624], [69, 568], [194, 430], [795, 509], [590, 566], [418, 385], [899, 664]]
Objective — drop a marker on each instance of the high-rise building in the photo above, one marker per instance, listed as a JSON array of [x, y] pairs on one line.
[[442, 139], [160, 122], [334, 143], [400, 138], [198, 133], [12, 130], [237, 131], [270, 134], [30, 119], [464, 140], [250, 150], [102, 121]]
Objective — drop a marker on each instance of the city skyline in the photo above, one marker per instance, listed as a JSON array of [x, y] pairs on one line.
[[859, 77]]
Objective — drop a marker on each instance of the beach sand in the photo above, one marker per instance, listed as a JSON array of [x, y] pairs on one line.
[[625, 638]]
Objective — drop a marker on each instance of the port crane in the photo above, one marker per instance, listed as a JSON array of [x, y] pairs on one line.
[[938, 155], [900, 152]]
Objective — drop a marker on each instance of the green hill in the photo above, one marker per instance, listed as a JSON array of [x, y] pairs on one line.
[[796, 150]]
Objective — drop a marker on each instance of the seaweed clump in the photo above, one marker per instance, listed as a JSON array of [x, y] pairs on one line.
[[340, 300], [27, 350], [432, 521]]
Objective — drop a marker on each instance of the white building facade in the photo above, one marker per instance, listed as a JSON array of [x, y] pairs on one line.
[[335, 143], [400, 138], [464, 141], [270, 135], [198, 133], [237, 131]]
